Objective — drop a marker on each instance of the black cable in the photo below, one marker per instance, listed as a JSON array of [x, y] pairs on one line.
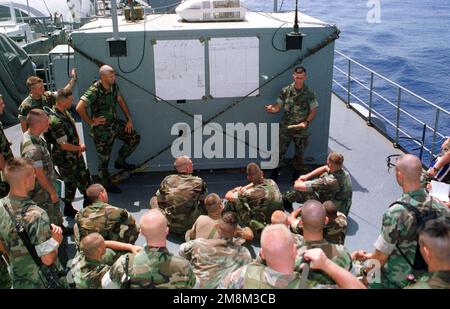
[[143, 52], [273, 37], [281, 5]]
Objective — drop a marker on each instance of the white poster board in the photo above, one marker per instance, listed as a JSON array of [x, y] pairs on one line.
[[179, 69], [233, 66]]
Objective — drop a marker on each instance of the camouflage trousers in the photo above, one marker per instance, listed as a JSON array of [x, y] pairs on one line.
[[104, 137], [5, 280], [300, 143], [4, 189], [300, 197], [42, 199], [75, 175], [246, 217]]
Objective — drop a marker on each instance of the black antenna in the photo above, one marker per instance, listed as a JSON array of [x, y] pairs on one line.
[[296, 17]]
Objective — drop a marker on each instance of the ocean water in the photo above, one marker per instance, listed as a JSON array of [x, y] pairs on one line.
[[409, 43]]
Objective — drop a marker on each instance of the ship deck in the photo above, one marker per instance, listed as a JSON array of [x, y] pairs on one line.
[[364, 149]]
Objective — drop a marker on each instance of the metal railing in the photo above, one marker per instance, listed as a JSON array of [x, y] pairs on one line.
[[355, 87], [43, 69]]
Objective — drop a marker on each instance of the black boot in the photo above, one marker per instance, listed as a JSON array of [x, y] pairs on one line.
[[110, 187], [123, 165], [69, 211]]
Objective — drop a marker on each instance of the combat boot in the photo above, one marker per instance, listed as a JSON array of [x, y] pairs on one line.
[[123, 165]]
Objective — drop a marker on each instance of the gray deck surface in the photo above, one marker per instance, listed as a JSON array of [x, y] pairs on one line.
[[365, 151]]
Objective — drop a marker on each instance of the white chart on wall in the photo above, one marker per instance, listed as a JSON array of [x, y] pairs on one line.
[[179, 69], [233, 66]]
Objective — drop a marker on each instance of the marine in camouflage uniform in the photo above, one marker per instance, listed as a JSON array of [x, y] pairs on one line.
[[113, 223], [254, 205], [213, 259], [25, 273], [180, 197], [71, 166], [87, 273], [35, 148], [336, 253], [399, 228], [433, 280], [300, 106], [153, 268], [6, 153], [335, 230], [334, 185], [102, 103]]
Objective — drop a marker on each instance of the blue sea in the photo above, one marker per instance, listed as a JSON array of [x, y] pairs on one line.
[[408, 41]]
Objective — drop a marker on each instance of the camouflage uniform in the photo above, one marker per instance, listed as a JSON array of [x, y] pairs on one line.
[[103, 103], [257, 276], [254, 206], [336, 253], [87, 273], [35, 149], [5, 151], [334, 231], [113, 223], [70, 164], [213, 259], [399, 227], [297, 105], [48, 99], [154, 268], [336, 187], [5, 279], [180, 197], [25, 273], [434, 280]]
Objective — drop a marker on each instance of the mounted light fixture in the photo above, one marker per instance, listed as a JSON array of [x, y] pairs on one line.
[[294, 39]]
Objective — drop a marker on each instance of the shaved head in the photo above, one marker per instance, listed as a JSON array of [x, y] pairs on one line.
[[228, 224], [436, 236], [278, 246], [182, 164], [330, 208], [254, 173], [410, 168], [313, 216], [213, 203], [90, 243], [93, 191], [35, 117], [17, 169], [279, 217], [153, 225], [105, 69]]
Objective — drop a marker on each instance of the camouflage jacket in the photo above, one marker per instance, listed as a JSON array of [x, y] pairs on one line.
[[257, 276], [47, 99], [336, 253], [153, 268], [102, 102], [336, 186], [256, 205], [180, 197], [399, 227], [297, 105], [334, 231], [87, 273], [62, 130], [5, 145], [213, 259], [434, 280], [113, 223], [25, 273], [35, 148]]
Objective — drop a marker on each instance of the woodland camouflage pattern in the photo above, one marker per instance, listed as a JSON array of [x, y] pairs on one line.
[[400, 227], [35, 148], [180, 197], [334, 231], [213, 259], [154, 268], [434, 280], [47, 99], [5, 151], [113, 223]]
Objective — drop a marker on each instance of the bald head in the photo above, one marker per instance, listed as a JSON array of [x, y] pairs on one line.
[[105, 69], [313, 216], [279, 217], [36, 117], [254, 173], [330, 208], [90, 244], [409, 167], [278, 247], [154, 226], [18, 169], [183, 164], [213, 203], [93, 192]]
